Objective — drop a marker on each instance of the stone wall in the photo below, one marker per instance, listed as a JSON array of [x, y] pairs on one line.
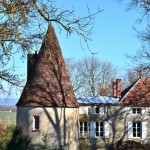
[[58, 126]]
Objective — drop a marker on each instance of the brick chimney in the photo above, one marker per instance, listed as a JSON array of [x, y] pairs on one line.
[[117, 88], [114, 89], [31, 58]]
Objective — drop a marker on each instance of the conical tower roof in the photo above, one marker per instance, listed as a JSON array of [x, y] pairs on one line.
[[49, 83]]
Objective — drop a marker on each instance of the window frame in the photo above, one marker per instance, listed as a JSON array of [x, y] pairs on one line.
[[137, 129], [136, 110], [82, 132], [36, 123], [99, 128]]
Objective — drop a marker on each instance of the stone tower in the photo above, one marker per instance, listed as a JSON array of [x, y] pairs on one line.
[[47, 108]]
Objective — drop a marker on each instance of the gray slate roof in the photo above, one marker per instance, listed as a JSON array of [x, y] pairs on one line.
[[98, 100]]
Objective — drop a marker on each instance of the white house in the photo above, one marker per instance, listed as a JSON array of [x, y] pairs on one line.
[[107, 119]]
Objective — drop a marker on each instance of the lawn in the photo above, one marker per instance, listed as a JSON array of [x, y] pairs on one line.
[[8, 118]]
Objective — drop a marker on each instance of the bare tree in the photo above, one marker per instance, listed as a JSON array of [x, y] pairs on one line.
[[133, 74], [108, 74], [23, 24], [91, 77], [142, 5], [141, 59], [142, 56], [75, 75]]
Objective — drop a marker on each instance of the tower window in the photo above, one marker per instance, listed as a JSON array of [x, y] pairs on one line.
[[36, 122]]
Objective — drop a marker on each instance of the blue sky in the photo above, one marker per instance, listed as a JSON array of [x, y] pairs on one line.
[[113, 35]]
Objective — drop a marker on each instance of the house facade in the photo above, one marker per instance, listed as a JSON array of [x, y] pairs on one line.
[[105, 120]]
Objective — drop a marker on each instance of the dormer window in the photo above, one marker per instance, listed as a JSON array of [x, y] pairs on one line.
[[99, 109], [136, 110]]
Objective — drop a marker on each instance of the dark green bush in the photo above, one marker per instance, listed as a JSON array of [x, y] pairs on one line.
[[18, 141], [13, 138], [129, 145], [5, 136]]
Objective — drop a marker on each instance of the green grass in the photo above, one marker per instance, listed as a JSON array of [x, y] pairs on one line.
[[7, 118], [7, 113]]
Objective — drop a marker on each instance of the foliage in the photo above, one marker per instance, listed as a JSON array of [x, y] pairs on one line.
[[2, 130], [84, 117], [13, 138], [19, 140], [84, 144], [128, 145], [5, 136]]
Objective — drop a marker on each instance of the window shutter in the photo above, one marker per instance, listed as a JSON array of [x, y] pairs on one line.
[[130, 110], [130, 129], [92, 129], [101, 110], [144, 130], [143, 110], [106, 129], [92, 110]]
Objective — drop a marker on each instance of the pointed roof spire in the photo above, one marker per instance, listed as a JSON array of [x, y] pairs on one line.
[[49, 85]]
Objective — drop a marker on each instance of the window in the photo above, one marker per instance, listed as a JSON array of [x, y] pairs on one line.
[[36, 122], [136, 110], [83, 129], [136, 129], [99, 129], [99, 110]]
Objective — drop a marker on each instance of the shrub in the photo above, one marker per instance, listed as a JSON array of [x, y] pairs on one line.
[[5, 136], [129, 145], [13, 138], [18, 141], [2, 129]]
